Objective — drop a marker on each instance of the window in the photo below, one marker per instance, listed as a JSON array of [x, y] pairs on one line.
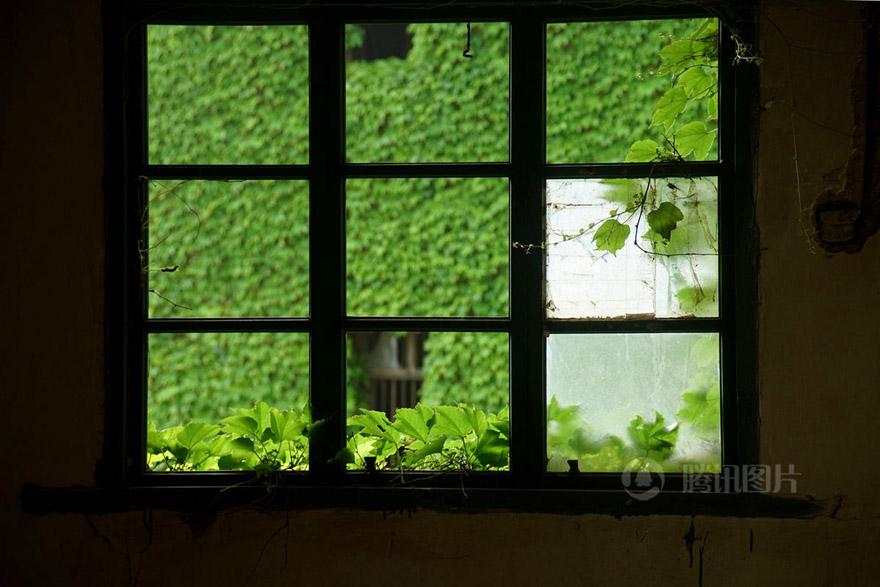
[[493, 243]]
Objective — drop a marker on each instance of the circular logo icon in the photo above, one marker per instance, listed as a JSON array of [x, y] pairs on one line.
[[643, 479]]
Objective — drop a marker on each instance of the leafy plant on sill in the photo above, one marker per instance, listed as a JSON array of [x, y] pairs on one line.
[[261, 439], [266, 440], [569, 436], [442, 438], [458, 437]]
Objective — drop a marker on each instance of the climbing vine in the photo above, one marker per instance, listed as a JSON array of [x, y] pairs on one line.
[[686, 119]]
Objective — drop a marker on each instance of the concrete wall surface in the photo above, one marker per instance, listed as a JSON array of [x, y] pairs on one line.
[[818, 356]]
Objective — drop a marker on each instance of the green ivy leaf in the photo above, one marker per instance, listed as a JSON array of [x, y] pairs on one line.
[[671, 104], [155, 440], [664, 219], [611, 236], [492, 450], [244, 425], [375, 423], [180, 454], [228, 462], [712, 107], [430, 448], [285, 425], [694, 137], [451, 421], [500, 422], [642, 152], [260, 415], [654, 237], [693, 299], [195, 432], [217, 447], [242, 444], [708, 30], [412, 423], [696, 82], [563, 423], [705, 351], [701, 410], [477, 419], [261, 409], [581, 443], [679, 55], [653, 436]]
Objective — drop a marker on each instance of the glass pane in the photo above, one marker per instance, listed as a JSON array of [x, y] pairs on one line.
[[610, 84], [228, 94], [228, 249], [428, 400], [633, 400], [609, 257], [412, 96], [198, 381], [427, 247]]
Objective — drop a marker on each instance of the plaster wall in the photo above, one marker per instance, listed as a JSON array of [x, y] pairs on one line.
[[818, 358]]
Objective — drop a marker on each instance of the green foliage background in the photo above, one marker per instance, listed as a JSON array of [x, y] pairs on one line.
[[602, 86], [421, 247]]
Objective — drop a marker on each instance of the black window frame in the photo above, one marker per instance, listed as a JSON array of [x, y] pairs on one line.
[[527, 483]]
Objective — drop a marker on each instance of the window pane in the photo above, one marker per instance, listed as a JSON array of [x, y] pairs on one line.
[[439, 399], [427, 247], [228, 249], [206, 378], [228, 94], [605, 259], [613, 398], [606, 80], [420, 100]]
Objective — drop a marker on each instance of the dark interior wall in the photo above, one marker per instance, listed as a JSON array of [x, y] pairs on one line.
[[818, 358]]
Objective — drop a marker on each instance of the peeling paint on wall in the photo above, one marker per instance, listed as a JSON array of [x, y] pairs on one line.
[[844, 218]]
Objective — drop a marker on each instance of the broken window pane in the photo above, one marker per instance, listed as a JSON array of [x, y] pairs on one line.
[[618, 398], [609, 257]]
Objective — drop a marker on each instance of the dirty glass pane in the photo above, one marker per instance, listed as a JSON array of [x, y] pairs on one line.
[[428, 401], [427, 247], [605, 81], [228, 94], [204, 378], [227, 249], [412, 96], [607, 257], [633, 400]]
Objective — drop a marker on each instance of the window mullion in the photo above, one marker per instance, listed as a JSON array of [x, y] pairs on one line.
[[326, 240], [527, 452], [737, 270], [136, 192]]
